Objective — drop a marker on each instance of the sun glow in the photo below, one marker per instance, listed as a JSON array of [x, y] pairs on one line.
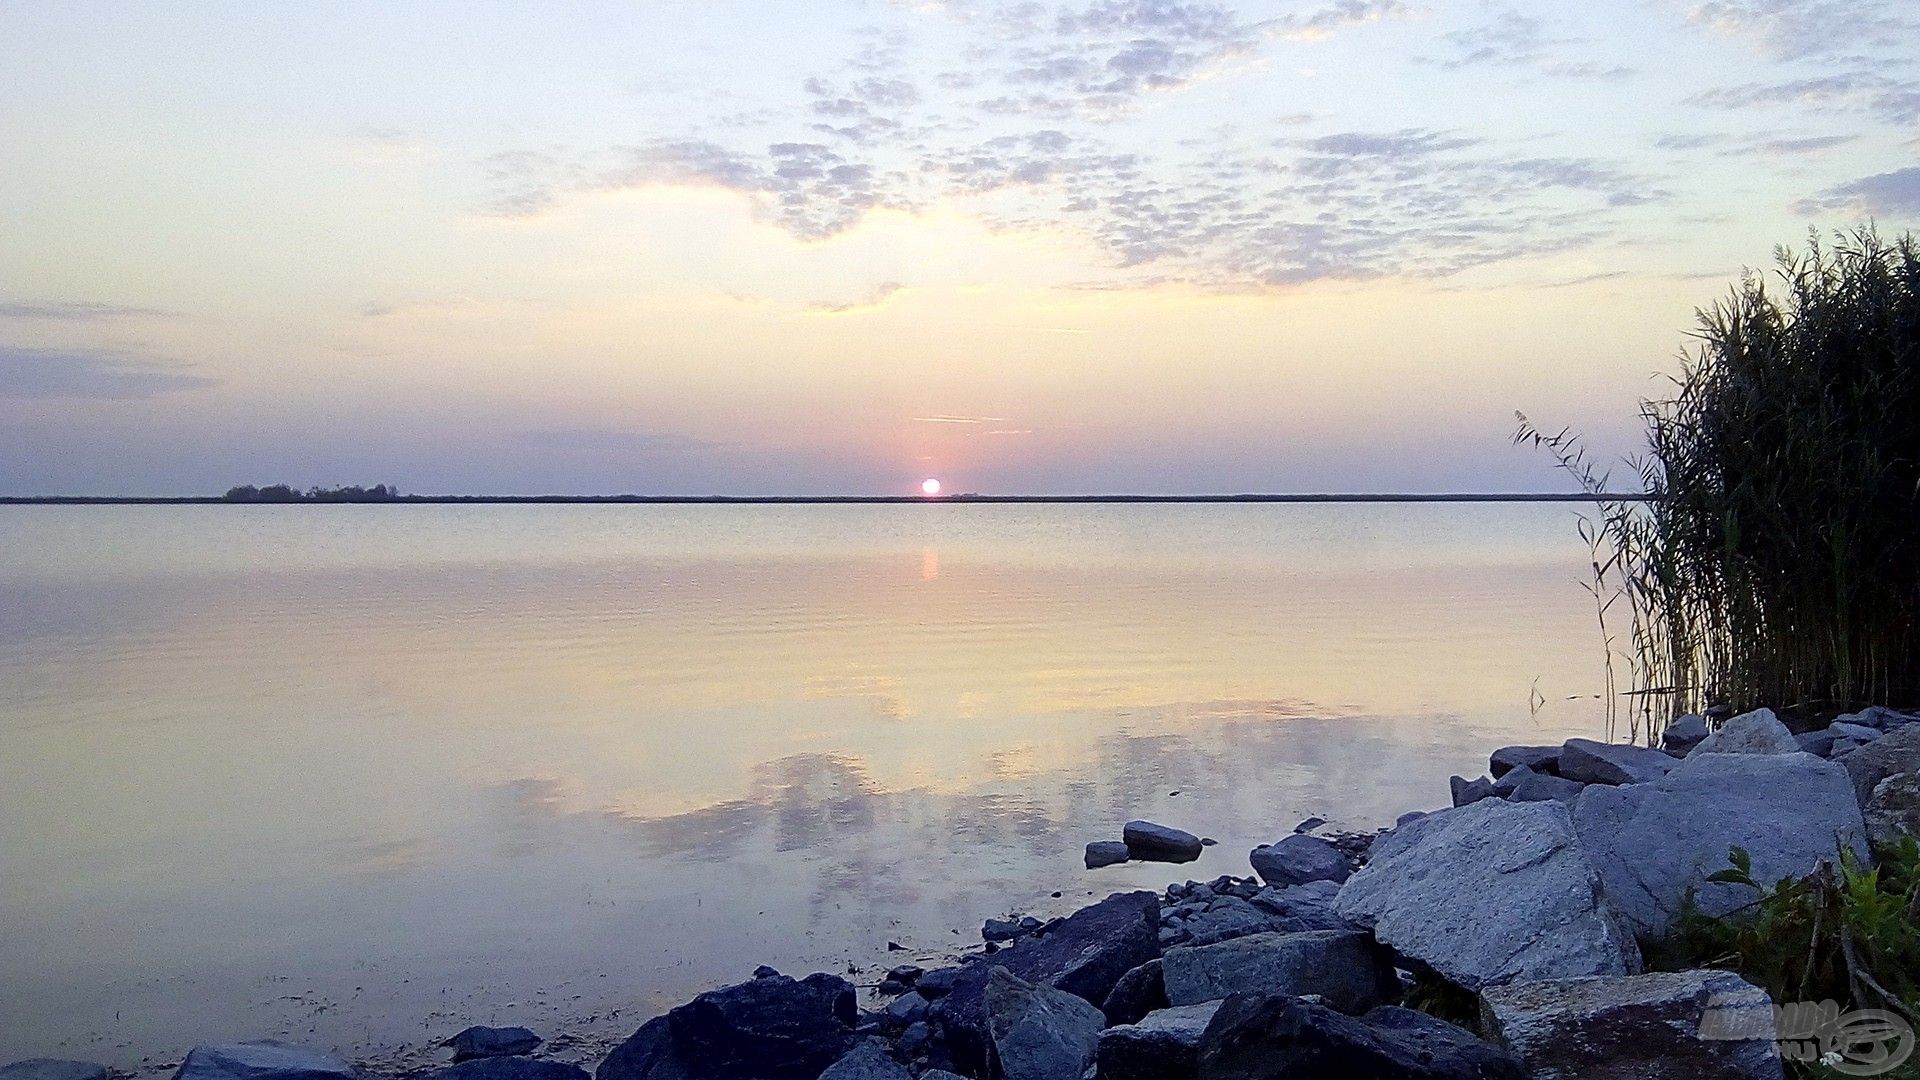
[[929, 486]]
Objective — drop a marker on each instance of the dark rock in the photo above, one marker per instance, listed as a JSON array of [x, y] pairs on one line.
[[765, 972], [889, 987], [510, 1067], [1302, 907], [1540, 787], [52, 1069], [1508, 784], [916, 1040], [904, 1010], [1028, 924], [1309, 825], [776, 1028], [892, 946], [1160, 843], [1591, 762], [1898, 752], [1164, 1045], [1275, 1037], [867, 1061], [1105, 853], [1038, 1032], [1223, 918], [937, 983], [1818, 743], [1879, 716], [906, 973], [263, 1060], [1467, 792], [1411, 815], [999, 930], [483, 1042], [1344, 967], [1541, 759], [1298, 859], [1138, 993], [1859, 733], [1683, 734], [1706, 1024]]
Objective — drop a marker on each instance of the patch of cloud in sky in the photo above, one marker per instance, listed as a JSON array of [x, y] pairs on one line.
[[87, 373], [1896, 192]]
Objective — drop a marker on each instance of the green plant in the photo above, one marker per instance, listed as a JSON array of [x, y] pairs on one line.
[[1775, 560]]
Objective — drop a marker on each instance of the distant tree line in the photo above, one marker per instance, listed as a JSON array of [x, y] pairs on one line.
[[286, 493]]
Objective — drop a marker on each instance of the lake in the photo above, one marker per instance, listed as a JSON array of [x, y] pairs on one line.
[[360, 775]]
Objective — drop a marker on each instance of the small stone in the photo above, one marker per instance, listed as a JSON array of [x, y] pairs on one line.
[[906, 973], [994, 930], [937, 983], [1028, 924], [765, 972], [1106, 853], [1506, 785], [1310, 824], [905, 1009], [1139, 992], [890, 987], [484, 1042]]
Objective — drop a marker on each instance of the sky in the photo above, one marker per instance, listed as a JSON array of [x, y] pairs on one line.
[[783, 247]]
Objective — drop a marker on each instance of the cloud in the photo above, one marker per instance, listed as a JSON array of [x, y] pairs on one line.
[[1896, 101], [1803, 29], [83, 373], [1514, 40], [880, 294], [1896, 192], [73, 310], [943, 419]]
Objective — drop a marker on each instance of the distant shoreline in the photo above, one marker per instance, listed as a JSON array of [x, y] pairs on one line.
[[816, 500]]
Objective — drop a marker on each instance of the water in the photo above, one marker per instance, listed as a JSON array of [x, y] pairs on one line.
[[360, 775]]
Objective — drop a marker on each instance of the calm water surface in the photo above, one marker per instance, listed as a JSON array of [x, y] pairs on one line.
[[359, 775]]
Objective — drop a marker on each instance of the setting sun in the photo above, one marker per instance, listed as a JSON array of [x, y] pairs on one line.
[[929, 486]]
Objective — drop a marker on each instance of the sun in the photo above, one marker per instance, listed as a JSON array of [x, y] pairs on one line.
[[929, 486]]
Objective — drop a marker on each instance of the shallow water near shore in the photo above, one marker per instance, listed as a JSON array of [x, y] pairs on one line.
[[360, 775]]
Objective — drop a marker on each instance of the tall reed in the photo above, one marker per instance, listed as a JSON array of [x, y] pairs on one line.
[[1776, 560]]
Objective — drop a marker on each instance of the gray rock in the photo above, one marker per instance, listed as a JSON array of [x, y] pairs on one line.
[[867, 1061], [510, 1067], [1879, 716], [262, 1060], [1653, 842], [1138, 993], [1540, 787], [999, 930], [1302, 907], [1039, 1033], [940, 1074], [1543, 759], [1160, 843], [1893, 810], [1466, 791], [1491, 893], [1859, 733], [1507, 784], [1411, 815], [937, 983], [53, 1069], [1344, 967], [1757, 732], [481, 1042], [1897, 752], [904, 1011], [1223, 918], [1818, 743], [1592, 762], [1298, 859], [1683, 734], [1694, 1024], [1275, 1037], [1105, 853], [1165, 1045], [771, 1028]]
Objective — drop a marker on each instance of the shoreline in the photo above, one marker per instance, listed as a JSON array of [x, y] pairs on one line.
[[821, 500]]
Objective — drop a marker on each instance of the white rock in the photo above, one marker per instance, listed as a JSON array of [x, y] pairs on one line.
[[1757, 732]]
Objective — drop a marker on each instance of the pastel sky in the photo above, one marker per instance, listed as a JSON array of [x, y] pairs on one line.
[[835, 247]]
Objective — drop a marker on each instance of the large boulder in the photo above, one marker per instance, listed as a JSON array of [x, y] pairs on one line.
[[262, 1060], [53, 1069], [1592, 762], [1879, 716], [1345, 968], [1490, 893], [1161, 843], [1275, 1037], [1039, 1033], [1653, 842], [1544, 787], [481, 1042], [772, 1028], [1893, 810], [1222, 918], [1164, 1045], [1299, 859], [1301, 907], [867, 1061], [1757, 732], [1896, 753], [1544, 759], [1701, 1025], [510, 1067], [1139, 992]]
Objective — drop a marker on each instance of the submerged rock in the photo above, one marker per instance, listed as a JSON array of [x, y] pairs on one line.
[[1593, 762], [1299, 859], [1160, 843], [1106, 853], [1491, 893], [1164, 1045], [1343, 967], [1757, 732], [1698, 1024], [1038, 1032], [482, 1042], [262, 1060], [1275, 1037]]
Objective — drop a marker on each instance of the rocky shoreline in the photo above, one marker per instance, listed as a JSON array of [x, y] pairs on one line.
[[1529, 897]]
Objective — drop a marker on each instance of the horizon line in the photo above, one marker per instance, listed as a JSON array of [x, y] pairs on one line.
[[802, 500]]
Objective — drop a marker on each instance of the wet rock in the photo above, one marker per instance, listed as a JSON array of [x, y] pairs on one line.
[[1343, 967], [1893, 810], [1543, 759], [1298, 859], [1897, 752], [867, 1061], [1592, 762], [1274, 1037], [1138, 993], [1757, 732], [483, 1042], [1540, 787], [53, 1069], [1651, 843], [1038, 1032], [775, 1028], [510, 1067], [999, 930], [262, 1060], [1160, 843], [1698, 1024], [1466, 792], [1491, 893], [1105, 853], [1164, 1045], [1684, 734]]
